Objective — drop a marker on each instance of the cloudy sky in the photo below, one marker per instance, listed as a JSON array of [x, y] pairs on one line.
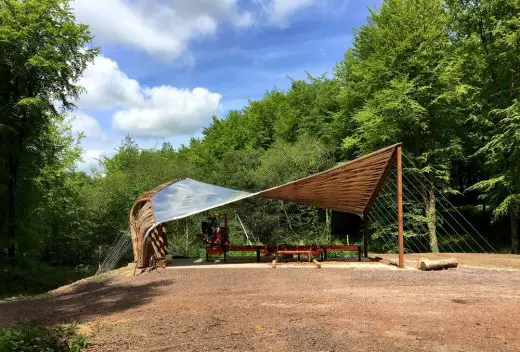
[[167, 66]]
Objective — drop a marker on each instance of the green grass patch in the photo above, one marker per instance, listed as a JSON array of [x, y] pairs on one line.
[[27, 280], [38, 338]]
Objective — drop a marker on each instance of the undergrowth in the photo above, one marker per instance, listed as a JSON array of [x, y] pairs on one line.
[[33, 337], [35, 278]]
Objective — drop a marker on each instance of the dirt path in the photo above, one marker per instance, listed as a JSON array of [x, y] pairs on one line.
[[296, 309]]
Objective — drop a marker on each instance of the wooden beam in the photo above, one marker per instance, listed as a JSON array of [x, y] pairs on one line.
[[365, 236], [400, 239], [382, 179]]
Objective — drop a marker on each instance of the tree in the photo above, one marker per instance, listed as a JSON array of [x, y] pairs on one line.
[[400, 84], [502, 155], [488, 38], [43, 52], [314, 105], [285, 162], [265, 116], [62, 209]]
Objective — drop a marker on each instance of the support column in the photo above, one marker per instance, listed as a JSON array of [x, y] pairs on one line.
[[400, 239], [365, 235]]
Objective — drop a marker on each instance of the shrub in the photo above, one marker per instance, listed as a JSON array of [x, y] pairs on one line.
[[38, 338], [37, 278]]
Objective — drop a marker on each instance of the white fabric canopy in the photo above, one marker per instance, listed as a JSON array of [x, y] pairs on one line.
[[188, 197]]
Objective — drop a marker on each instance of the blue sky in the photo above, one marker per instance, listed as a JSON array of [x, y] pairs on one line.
[[167, 66]]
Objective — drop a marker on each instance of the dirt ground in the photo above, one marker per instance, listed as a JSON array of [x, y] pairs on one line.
[[478, 260], [291, 308]]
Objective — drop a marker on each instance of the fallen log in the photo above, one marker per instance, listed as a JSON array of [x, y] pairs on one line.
[[427, 264]]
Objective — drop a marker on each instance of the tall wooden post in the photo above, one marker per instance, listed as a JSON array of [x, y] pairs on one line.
[[365, 236], [400, 238]]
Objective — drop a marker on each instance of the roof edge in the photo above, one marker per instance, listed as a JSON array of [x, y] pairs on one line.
[[350, 162]]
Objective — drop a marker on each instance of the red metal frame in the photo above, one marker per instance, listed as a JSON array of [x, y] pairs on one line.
[[223, 247], [269, 249]]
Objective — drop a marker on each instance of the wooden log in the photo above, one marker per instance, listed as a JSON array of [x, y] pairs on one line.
[[317, 263], [427, 264]]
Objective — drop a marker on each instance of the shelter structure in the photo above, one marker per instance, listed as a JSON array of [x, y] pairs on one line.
[[350, 187]]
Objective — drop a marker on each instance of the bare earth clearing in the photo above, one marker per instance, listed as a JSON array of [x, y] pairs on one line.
[[366, 307]]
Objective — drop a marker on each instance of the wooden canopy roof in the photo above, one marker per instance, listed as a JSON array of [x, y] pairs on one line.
[[349, 188]]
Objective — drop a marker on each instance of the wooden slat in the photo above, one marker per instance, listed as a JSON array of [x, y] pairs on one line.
[[350, 187], [141, 218], [381, 181]]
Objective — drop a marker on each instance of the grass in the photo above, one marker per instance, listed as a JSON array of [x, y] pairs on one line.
[[27, 280], [33, 337]]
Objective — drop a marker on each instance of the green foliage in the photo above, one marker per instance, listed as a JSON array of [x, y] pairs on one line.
[[43, 53], [502, 153], [439, 76], [286, 161], [37, 277], [490, 30], [38, 338], [400, 84]]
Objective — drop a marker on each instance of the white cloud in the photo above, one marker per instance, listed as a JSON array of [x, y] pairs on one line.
[[279, 11], [160, 28], [165, 28], [90, 159], [88, 125], [161, 111], [168, 111], [107, 86]]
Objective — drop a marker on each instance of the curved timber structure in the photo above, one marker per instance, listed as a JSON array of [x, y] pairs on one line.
[[141, 220], [350, 187]]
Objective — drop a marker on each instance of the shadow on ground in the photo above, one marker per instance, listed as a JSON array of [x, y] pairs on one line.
[[81, 301]]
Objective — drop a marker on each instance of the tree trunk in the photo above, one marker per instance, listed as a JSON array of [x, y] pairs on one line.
[[515, 242], [328, 221], [431, 213], [187, 236], [365, 236], [13, 165]]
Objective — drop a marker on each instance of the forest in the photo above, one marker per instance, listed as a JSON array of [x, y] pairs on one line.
[[442, 77]]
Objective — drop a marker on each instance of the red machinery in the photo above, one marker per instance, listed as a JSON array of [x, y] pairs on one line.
[[215, 238]]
